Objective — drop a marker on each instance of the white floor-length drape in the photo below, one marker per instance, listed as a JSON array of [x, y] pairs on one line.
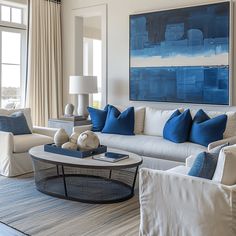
[[44, 84]]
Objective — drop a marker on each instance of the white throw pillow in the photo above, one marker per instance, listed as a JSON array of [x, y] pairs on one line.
[[26, 111], [139, 115], [155, 120], [225, 172], [230, 130]]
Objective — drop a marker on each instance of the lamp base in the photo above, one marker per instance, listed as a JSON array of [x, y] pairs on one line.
[[83, 103]]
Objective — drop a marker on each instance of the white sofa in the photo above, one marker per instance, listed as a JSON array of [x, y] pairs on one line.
[[173, 203], [148, 142], [14, 157]]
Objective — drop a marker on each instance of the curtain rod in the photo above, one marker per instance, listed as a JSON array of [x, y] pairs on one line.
[[55, 1]]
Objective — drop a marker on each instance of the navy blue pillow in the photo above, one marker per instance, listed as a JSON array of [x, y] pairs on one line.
[[205, 163], [178, 126], [119, 123], [98, 118], [206, 130], [15, 123]]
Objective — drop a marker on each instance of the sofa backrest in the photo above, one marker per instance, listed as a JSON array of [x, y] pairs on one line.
[[155, 120], [26, 111]]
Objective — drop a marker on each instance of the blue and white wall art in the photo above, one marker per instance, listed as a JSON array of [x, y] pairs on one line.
[[181, 55]]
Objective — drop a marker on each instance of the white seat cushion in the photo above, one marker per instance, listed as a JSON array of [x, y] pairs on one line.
[[151, 146], [22, 143], [225, 172], [182, 170]]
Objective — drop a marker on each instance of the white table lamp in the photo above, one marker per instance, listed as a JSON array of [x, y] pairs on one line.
[[83, 86]]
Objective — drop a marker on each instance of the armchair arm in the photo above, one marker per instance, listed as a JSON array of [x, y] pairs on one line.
[[190, 160], [82, 128], [7, 146], [6, 142], [230, 140], [173, 204], [45, 131]]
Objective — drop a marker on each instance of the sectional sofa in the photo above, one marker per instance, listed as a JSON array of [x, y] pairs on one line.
[[148, 140]]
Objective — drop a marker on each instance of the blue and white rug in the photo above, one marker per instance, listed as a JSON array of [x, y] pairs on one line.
[[34, 213]]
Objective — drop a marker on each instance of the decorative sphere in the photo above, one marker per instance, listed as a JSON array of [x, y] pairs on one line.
[[88, 140]]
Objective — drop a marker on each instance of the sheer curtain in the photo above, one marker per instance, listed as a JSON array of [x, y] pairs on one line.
[[44, 85]]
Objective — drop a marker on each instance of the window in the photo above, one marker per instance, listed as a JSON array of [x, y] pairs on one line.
[[93, 66], [12, 56]]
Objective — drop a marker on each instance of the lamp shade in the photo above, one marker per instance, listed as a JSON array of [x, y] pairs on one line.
[[83, 84]]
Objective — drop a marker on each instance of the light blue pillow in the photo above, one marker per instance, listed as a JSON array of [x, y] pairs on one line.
[[15, 123], [98, 118], [119, 123], [206, 130], [178, 126], [205, 163]]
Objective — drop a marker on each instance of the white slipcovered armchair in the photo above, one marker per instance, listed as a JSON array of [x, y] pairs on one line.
[[14, 157], [175, 204]]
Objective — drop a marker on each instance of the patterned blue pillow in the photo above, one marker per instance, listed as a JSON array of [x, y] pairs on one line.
[[205, 163], [15, 123]]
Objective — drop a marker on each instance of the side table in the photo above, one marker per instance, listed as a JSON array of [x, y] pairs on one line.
[[66, 124]]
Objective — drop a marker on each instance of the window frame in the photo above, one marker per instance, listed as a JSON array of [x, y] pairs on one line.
[[16, 28], [10, 23]]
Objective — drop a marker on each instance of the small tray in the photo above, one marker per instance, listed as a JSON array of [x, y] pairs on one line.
[[73, 153]]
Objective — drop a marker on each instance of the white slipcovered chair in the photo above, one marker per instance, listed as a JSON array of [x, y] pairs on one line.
[[14, 157], [173, 203]]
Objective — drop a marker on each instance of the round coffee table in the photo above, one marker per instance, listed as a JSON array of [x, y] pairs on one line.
[[85, 179]]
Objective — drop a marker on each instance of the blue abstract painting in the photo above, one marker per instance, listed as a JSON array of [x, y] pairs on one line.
[[181, 55]]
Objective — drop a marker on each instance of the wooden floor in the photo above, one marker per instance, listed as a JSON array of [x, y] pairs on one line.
[[8, 231]]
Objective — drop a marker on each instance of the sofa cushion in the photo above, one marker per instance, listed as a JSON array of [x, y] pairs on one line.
[[139, 116], [225, 170], [206, 130], [22, 143], [151, 146], [26, 111], [119, 123], [15, 123], [155, 120], [178, 126], [230, 129], [98, 118]]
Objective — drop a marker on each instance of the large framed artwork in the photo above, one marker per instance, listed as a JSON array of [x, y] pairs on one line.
[[182, 55]]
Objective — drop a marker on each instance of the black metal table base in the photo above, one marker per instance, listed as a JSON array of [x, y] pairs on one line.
[[86, 188]]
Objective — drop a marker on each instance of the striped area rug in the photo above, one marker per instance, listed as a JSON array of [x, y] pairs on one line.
[[34, 213]]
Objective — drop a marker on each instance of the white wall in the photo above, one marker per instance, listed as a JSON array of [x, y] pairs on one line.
[[118, 44]]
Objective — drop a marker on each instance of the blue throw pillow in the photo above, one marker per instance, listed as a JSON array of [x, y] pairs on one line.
[[205, 163], [178, 126], [15, 123], [119, 123], [206, 130], [98, 118]]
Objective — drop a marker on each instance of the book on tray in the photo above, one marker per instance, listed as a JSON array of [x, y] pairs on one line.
[[111, 157]]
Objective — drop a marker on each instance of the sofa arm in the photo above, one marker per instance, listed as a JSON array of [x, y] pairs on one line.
[[172, 204], [82, 128], [230, 140], [45, 131]]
